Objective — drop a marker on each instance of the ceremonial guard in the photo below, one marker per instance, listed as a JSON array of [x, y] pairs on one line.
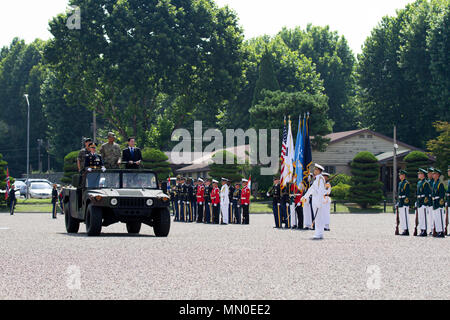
[[12, 200], [317, 191], [194, 199], [298, 206], [327, 202], [230, 202], [190, 196], [403, 202], [183, 197], [200, 196], [175, 195], [83, 154], [93, 160], [429, 206], [111, 153], [224, 201], [236, 204], [245, 202], [215, 202], [285, 201], [291, 207], [423, 195], [275, 193], [54, 201], [208, 205], [308, 214], [438, 198]]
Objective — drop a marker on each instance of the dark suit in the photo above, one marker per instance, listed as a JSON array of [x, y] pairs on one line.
[[128, 156]]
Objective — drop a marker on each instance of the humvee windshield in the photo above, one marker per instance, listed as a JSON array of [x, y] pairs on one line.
[[103, 180], [139, 180], [130, 180]]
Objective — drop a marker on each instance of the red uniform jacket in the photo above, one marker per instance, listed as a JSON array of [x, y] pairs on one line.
[[298, 193], [200, 194], [215, 196], [245, 196]]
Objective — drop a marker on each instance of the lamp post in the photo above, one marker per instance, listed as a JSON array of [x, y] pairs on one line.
[[394, 169], [28, 142]]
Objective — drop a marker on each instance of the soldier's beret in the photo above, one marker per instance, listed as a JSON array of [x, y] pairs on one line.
[[403, 172]]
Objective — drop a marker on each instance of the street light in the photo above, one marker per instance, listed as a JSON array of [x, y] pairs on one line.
[[28, 142]]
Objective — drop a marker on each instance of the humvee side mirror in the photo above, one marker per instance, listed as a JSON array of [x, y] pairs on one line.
[[76, 180]]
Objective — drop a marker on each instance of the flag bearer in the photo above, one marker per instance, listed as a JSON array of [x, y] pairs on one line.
[[298, 206]]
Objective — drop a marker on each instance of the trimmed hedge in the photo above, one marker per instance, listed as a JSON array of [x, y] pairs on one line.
[[341, 192], [70, 167], [341, 179], [366, 189], [157, 161]]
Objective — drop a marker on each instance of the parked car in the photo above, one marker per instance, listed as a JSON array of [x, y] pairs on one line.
[[40, 190], [21, 187]]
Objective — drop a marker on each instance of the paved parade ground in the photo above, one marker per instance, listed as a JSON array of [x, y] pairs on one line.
[[359, 259]]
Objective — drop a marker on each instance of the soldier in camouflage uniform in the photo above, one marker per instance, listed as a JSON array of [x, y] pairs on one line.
[[111, 153]]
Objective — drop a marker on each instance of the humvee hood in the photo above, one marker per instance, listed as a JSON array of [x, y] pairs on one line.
[[146, 193]]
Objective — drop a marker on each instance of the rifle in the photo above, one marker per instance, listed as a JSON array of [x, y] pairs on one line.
[[446, 220], [397, 232], [417, 222]]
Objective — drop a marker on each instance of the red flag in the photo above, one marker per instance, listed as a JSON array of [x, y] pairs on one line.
[[8, 184]]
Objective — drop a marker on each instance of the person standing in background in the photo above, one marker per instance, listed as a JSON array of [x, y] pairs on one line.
[[54, 201]]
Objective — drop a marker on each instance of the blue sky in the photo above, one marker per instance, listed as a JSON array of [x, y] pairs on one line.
[[28, 19]]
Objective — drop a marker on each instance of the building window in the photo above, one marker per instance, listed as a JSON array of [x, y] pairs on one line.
[[361, 136], [369, 136], [330, 169]]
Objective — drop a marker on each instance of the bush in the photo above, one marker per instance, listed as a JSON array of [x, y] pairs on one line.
[[341, 192], [366, 189], [341, 179], [229, 171], [70, 167], [157, 161]]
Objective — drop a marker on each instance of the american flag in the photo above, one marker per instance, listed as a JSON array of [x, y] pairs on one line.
[[8, 184], [283, 154]]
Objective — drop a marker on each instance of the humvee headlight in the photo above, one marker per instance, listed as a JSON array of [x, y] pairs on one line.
[[165, 199], [114, 202], [149, 202]]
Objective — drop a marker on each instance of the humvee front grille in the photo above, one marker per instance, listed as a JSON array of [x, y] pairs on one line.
[[131, 203]]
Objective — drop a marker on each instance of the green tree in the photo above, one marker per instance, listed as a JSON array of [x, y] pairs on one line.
[[190, 50], [220, 169], [21, 72], [366, 188], [440, 147], [335, 63], [414, 161], [70, 167], [267, 79], [268, 114], [157, 161], [397, 73]]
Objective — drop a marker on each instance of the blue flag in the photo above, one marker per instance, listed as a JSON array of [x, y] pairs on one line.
[[307, 156], [298, 159]]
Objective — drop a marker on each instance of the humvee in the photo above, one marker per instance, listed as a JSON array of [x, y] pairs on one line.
[[100, 199]]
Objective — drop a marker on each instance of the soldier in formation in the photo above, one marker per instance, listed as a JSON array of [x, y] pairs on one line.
[[403, 203]]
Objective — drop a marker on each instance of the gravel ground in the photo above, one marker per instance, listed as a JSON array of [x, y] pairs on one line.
[[359, 259]]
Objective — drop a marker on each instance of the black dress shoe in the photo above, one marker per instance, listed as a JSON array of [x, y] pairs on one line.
[[440, 235], [405, 233], [326, 229]]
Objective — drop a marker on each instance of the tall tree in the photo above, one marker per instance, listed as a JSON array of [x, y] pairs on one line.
[[187, 49], [267, 79]]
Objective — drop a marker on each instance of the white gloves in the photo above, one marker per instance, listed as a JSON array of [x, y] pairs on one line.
[[268, 194], [89, 169], [103, 169]]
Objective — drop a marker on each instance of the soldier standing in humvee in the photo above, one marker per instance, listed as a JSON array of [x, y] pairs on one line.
[[111, 153]]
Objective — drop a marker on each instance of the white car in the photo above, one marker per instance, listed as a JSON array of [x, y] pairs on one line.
[[40, 190]]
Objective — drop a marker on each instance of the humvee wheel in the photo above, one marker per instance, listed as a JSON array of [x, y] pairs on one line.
[[72, 225], [93, 221], [134, 227], [161, 225]]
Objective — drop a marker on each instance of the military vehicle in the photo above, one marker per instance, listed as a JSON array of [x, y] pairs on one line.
[[100, 199]]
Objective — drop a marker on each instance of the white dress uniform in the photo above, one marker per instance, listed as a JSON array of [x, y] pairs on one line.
[[326, 208], [307, 215], [317, 190], [224, 203]]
